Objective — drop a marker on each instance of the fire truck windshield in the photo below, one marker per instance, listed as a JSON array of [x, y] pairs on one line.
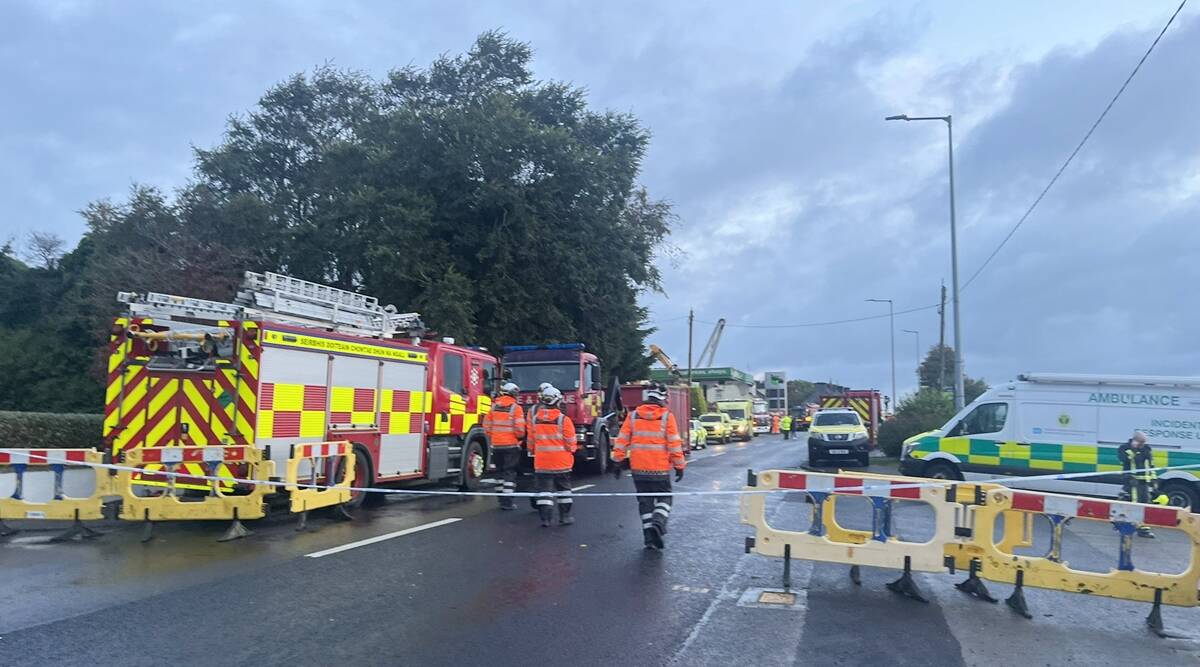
[[564, 377]]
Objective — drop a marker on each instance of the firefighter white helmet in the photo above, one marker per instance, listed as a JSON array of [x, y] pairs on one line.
[[655, 393], [542, 386], [509, 389], [550, 396]]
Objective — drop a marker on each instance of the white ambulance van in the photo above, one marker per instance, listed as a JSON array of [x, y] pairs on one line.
[[1044, 423]]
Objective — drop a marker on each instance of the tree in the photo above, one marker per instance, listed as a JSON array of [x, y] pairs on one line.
[[44, 248], [699, 401], [923, 410], [931, 369], [502, 207], [798, 391]]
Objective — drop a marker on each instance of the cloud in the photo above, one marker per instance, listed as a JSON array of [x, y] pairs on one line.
[[797, 202]]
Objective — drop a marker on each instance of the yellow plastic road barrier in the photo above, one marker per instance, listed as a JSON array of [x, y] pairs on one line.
[[966, 516], [60, 506], [169, 504], [994, 561], [829, 542], [323, 461]]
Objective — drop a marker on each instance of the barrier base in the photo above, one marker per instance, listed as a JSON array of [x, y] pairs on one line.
[[855, 575], [236, 530], [906, 585], [1154, 619], [1016, 601], [974, 586], [76, 531]]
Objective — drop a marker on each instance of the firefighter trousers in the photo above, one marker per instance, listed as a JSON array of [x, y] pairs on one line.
[[553, 488], [1138, 490], [655, 510], [507, 459]]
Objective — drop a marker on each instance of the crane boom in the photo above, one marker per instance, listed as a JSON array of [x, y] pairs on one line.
[[657, 353], [710, 348]]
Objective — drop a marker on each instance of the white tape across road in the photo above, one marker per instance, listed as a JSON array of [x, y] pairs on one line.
[[1003, 481]]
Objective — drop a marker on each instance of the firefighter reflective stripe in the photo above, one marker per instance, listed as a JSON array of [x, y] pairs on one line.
[[662, 508], [545, 498], [564, 497]]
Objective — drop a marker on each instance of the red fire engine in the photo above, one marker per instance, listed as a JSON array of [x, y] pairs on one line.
[[576, 373], [292, 361]]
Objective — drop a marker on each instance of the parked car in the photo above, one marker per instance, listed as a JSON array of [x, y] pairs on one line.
[[699, 435], [718, 425]]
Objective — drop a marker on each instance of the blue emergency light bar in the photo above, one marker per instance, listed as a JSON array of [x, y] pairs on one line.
[[551, 346]]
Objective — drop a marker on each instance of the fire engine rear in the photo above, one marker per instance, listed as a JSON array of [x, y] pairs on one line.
[[288, 362]]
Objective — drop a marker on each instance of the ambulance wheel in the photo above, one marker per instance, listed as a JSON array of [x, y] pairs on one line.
[[864, 461], [941, 470], [1182, 494], [474, 464]]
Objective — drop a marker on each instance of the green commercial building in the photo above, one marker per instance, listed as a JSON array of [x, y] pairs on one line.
[[723, 383]]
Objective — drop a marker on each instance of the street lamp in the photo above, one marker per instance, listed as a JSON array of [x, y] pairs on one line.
[[917, 334], [958, 364], [892, 334]]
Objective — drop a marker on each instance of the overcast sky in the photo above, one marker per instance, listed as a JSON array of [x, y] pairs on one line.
[[796, 200]]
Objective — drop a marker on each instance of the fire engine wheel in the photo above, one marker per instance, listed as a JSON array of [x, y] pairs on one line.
[[363, 475], [474, 464], [599, 466]]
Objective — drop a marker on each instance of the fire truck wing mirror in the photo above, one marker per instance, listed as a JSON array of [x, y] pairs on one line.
[[596, 386], [507, 373]]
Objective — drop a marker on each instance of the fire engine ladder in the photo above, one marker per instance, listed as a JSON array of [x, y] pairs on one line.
[[285, 299]]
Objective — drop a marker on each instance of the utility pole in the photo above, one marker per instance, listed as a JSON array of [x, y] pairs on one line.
[[691, 318], [942, 342]]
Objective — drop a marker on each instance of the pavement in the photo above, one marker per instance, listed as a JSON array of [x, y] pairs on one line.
[[453, 581]]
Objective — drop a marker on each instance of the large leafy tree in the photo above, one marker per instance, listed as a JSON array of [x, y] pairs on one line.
[[938, 367], [503, 208]]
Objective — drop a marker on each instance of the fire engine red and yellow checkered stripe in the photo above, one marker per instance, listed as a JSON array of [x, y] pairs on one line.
[[299, 410], [459, 419]]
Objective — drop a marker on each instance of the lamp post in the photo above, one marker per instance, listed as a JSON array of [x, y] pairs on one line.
[[958, 364], [917, 335], [892, 335]]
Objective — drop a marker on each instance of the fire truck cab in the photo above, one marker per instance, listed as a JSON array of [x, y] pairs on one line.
[[576, 373]]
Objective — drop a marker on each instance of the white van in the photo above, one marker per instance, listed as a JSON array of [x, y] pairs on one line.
[[1045, 423]]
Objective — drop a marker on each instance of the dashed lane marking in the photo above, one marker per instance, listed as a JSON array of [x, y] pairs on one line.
[[582, 487], [381, 538]]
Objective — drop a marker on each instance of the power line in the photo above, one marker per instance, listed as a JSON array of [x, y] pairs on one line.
[[1079, 147], [1011, 232]]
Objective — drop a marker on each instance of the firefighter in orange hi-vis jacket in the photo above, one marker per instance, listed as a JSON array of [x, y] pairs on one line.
[[650, 444], [552, 444], [505, 429]]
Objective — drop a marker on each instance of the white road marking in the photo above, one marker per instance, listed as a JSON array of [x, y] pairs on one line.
[[580, 488], [718, 454], [381, 538]]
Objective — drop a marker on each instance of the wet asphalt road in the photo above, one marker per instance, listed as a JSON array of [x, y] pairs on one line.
[[477, 586]]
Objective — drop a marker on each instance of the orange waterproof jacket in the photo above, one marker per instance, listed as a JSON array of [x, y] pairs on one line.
[[650, 439], [552, 442], [505, 424]]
